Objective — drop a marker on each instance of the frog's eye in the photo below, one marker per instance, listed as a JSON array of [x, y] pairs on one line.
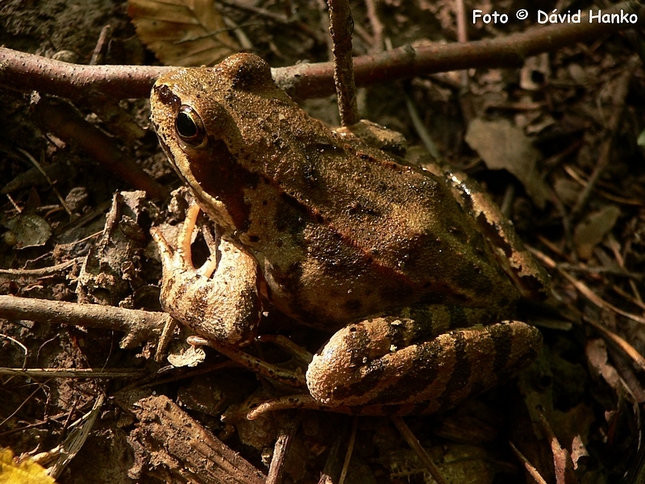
[[189, 126]]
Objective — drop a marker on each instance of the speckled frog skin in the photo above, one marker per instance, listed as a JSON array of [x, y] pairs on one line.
[[412, 268]]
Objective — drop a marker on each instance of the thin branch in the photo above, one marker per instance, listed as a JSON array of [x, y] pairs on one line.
[[349, 452], [621, 89], [585, 291], [26, 72], [72, 372], [340, 29], [288, 427], [138, 325], [15, 274], [624, 346], [314, 80], [62, 120], [530, 468], [377, 27], [413, 442]]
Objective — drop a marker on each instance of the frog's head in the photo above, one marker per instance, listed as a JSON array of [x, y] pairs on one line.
[[204, 118]]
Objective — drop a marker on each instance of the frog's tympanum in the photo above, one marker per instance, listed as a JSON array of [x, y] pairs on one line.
[[415, 270]]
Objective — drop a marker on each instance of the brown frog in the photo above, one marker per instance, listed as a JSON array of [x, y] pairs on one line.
[[413, 269]]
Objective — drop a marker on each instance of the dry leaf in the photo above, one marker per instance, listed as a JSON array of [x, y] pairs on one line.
[[190, 357], [29, 230], [592, 230], [504, 146], [182, 32], [24, 472]]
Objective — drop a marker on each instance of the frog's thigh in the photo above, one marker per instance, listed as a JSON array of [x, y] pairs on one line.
[[356, 369]]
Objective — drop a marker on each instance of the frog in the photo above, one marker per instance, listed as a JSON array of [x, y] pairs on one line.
[[413, 270]]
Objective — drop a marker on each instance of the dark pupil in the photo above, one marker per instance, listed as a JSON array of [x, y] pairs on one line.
[[186, 127]]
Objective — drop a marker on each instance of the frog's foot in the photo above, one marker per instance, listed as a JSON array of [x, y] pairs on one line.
[[421, 377], [219, 300]]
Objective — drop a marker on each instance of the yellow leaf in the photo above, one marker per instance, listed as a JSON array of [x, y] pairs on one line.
[[25, 472], [182, 32]]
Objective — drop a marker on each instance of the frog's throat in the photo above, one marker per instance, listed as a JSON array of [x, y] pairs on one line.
[[213, 208]]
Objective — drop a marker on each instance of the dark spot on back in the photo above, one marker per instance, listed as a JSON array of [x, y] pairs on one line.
[[353, 305], [290, 215]]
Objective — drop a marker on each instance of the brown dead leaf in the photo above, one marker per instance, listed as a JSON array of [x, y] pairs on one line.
[[28, 230], [504, 146], [592, 230], [182, 32]]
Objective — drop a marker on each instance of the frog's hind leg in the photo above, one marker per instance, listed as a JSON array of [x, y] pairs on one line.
[[373, 364]]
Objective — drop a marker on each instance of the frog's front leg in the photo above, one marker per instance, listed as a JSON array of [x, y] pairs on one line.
[[381, 364], [219, 301]]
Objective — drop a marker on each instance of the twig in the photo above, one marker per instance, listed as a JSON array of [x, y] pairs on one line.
[[20, 345], [277, 18], [349, 452], [636, 300], [138, 325], [465, 96], [625, 347], [530, 468], [44, 173], [26, 72], [281, 448], [585, 291], [340, 29], [65, 122], [597, 300], [413, 442], [99, 49], [615, 248], [618, 104], [420, 128], [14, 274], [599, 270], [405, 62], [562, 463], [62, 454], [17, 410], [579, 178], [332, 463], [460, 14], [377, 26], [72, 372]]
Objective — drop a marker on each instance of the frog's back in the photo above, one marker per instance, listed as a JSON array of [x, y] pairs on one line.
[[353, 232], [380, 235]]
